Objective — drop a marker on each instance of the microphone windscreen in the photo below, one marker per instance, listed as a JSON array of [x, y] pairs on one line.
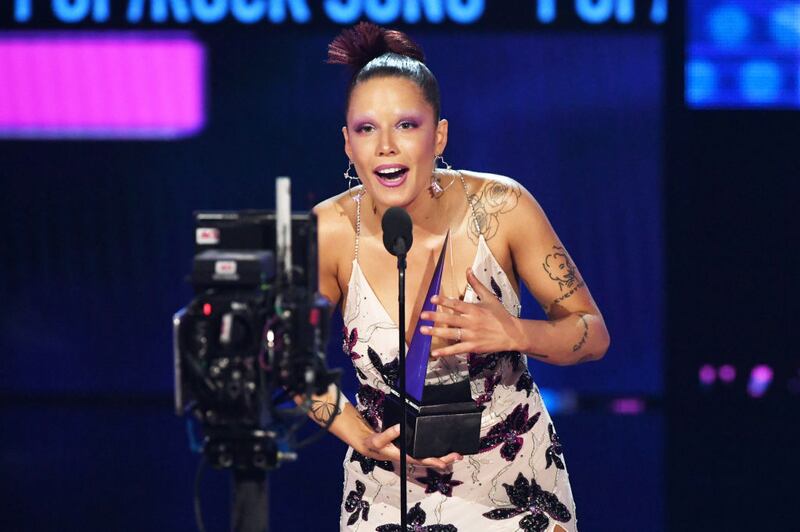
[[396, 225]]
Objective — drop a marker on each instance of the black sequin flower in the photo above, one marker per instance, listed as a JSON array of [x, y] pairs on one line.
[[368, 464], [489, 385], [554, 450], [507, 433], [496, 288], [525, 382], [529, 497], [388, 371], [349, 342], [416, 523], [442, 483], [479, 364], [355, 504], [370, 401]]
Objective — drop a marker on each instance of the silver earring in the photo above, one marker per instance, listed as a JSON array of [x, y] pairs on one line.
[[350, 178], [435, 187], [439, 159]]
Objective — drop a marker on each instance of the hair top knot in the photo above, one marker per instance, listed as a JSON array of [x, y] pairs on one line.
[[357, 46]]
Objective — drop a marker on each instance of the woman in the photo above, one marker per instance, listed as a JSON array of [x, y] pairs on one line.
[[498, 233]]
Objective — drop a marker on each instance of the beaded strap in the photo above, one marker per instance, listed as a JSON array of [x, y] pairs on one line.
[[470, 202], [357, 199]]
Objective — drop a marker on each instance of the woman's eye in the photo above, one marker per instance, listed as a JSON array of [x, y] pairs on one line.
[[407, 125], [366, 128]]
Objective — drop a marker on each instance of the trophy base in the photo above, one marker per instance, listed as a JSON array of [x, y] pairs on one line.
[[437, 427]]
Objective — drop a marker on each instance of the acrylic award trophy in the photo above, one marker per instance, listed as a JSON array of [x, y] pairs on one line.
[[440, 418]]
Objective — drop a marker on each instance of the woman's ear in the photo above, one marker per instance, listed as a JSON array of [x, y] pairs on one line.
[[441, 135], [347, 149]]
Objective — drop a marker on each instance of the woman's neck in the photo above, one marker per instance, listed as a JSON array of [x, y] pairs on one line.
[[430, 215]]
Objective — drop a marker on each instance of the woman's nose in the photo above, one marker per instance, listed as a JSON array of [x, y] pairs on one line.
[[387, 145]]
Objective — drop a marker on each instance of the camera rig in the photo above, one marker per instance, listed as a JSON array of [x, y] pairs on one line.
[[249, 349]]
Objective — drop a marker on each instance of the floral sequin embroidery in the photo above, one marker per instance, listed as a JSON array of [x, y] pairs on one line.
[[368, 464], [479, 364], [489, 384], [553, 452], [529, 497], [496, 289], [388, 371], [356, 504], [416, 523], [370, 401], [507, 433], [349, 341], [441, 482], [525, 383]]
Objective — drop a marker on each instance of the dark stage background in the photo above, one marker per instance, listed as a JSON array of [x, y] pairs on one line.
[[677, 219]]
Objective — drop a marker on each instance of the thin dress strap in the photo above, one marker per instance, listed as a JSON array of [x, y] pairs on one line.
[[357, 199], [470, 202]]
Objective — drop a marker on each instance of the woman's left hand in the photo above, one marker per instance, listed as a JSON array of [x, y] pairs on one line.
[[481, 327]]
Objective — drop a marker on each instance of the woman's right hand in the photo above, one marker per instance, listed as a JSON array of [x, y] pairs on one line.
[[379, 446]]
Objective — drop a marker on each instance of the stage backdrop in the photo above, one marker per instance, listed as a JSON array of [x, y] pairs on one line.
[[97, 226]]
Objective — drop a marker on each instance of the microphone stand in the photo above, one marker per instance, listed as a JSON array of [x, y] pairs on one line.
[[401, 299]]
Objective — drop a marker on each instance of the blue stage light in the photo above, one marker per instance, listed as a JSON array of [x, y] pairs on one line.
[[760, 81], [342, 13], [462, 12], [729, 25], [760, 380], [22, 10], [551, 400], [701, 81], [546, 11], [784, 25]]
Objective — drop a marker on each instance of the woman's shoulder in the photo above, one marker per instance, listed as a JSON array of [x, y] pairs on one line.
[[481, 179], [495, 194], [336, 214], [335, 226]]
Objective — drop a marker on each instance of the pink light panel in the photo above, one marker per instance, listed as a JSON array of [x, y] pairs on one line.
[[101, 85], [628, 405]]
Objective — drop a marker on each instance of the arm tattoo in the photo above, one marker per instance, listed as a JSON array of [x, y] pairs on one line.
[[494, 199], [322, 411], [560, 268], [585, 334]]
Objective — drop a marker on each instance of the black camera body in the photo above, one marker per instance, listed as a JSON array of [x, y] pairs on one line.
[[255, 332]]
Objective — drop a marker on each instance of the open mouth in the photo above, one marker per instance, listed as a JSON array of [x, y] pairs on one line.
[[391, 175]]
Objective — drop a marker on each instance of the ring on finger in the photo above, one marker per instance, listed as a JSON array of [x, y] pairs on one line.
[[458, 336]]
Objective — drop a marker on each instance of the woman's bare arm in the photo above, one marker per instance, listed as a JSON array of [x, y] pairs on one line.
[[574, 331]]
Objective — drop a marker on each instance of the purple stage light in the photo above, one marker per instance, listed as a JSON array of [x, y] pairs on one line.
[[727, 373], [707, 374], [760, 379], [628, 405], [101, 85]]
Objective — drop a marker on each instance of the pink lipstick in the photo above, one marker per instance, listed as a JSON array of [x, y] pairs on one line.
[[391, 175]]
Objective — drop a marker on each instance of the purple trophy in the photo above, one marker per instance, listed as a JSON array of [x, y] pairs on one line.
[[441, 418], [420, 349]]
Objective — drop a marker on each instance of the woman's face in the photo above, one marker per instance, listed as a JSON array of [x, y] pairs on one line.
[[392, 138]]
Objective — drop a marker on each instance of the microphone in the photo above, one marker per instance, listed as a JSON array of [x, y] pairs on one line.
[[396, 226], [397, 238]]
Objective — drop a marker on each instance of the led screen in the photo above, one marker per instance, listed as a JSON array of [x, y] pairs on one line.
[[743, 54]]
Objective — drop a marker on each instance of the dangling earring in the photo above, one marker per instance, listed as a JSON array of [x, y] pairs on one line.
[[350, 178], [435, 187]]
